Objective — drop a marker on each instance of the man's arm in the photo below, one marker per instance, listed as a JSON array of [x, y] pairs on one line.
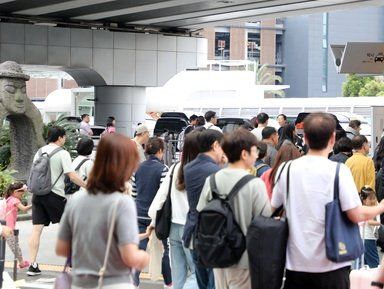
[[364, 213], [76, 179]]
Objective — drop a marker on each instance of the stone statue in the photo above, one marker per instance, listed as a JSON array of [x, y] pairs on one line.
[[26, 125]]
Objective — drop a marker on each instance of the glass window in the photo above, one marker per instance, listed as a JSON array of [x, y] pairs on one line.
[[253, 46], [222, 45]]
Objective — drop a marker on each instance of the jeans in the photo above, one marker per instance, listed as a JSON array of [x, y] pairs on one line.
[[371, 257], [204, 276], [165, 267], [182, 267]]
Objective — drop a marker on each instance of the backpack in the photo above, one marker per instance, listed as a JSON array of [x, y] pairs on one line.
[[69, 186], [379, 185], [219, 241], [39, 181], [259, 167]]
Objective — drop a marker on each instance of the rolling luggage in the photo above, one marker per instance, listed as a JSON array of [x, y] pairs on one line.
[[362, 278]]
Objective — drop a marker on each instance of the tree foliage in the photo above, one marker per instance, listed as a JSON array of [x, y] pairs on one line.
[[363, 86]]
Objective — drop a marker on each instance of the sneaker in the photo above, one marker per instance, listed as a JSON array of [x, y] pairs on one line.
[[33, 270], [169, 286], [23, 264]]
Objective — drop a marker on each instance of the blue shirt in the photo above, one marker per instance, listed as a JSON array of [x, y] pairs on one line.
[[146, 182], [195, 174]]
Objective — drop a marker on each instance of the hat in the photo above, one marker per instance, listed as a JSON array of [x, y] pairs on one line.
[[10, 69], [141, 129]]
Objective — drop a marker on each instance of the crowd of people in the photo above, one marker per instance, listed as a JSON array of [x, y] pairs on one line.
[[128, 183]]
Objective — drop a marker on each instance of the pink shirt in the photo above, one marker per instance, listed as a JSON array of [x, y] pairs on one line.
[[11, 211]]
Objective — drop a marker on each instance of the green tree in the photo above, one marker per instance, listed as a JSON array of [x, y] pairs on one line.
[[372, 88], [354, 84]]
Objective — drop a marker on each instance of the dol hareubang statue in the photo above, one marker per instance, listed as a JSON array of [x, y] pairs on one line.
[[26, 125]]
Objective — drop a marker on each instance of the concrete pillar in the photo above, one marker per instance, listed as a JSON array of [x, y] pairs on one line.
[[268, 43], [126, 103], [237, 44]]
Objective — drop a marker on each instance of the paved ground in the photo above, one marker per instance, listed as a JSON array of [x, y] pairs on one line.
[[49, 263]]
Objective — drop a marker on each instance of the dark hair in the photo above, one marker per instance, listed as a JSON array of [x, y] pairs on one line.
[[355, 123], [366, 192], [110, 120], [11, 188], [200, 121], [237, 141], [343, 145], [262, 147], [84, 146], [154, 145], [262, 117], [283, 115], [268, 131], [287, 152], [207, 138], [193, 117], [358, 142], [116, 159], [286, 134], [254, 121], [84, 116], [379, 154], [318, 129], [209, 115], [54, 133], [190, 152]]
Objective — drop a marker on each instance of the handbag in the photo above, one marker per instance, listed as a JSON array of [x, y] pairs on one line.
[[342, 237], [164, 215], [267, 239], [64, 279]]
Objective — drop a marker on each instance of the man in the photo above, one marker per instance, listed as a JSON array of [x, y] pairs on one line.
[[240, 147], [211, 121], [262, 122], [271, 138], [192, 124], [311, 188], [195, 174], [282, 121], [353, 128], [361, 166], [85, 128], [50, 207], [141, 139]]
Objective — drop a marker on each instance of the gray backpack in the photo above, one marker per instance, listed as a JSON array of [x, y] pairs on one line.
[[39, 181]]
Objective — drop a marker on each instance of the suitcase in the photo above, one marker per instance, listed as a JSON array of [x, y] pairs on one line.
[[362, 278]]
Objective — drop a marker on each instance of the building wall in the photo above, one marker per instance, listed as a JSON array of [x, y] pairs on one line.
[[303, 46], [120, 58], [237, 43]]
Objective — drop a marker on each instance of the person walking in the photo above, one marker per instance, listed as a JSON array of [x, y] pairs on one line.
[[211, 121], [145, 184], [271, 138], [195, 173], [312, 182], [182, 267], [342, 150], [83, 161], [262, 122], [110, 126], [240, 147], [141, 139], [83, 235], [49, 208], [353, 128], [85, 128]]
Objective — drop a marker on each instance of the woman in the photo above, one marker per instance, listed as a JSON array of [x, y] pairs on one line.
[[111, 123], [145, 185], [287, 152], [342, 150], [287, 135], [86, 220], [182, 268]]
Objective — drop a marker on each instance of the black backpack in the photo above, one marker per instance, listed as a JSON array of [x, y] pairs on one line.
[[219, 241], [70, 187]]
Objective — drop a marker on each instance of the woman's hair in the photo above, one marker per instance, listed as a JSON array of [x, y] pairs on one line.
[[286, 134], [263, 149], [84, 146], [110, 120], [343, 145], [190, 151], [11, 188], [200, 120], [287, 152], [379, 154], [154, 145], [366, 192], [116, 159]]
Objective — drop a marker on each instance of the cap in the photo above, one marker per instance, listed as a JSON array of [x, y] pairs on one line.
[[10, 69], [141, 129]]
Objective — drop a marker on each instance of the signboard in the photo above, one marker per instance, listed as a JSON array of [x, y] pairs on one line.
[[221, 43], [359, 57]]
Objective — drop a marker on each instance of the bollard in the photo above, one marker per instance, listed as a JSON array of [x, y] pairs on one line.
[[15, 260], [2, 256]]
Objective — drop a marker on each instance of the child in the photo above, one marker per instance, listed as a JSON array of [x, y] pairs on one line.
[[13, 196], [371, 257]]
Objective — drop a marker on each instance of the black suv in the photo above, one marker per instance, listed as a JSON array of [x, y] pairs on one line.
[[171, 125], [229, 124]]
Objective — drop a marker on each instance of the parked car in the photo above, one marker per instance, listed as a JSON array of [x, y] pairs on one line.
[[171, 125], [229, 124], [96, 129]]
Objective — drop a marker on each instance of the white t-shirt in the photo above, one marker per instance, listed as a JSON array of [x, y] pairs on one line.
[[60, 163], [85, 168], [257, 132], [210, 125], [311, 188]]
